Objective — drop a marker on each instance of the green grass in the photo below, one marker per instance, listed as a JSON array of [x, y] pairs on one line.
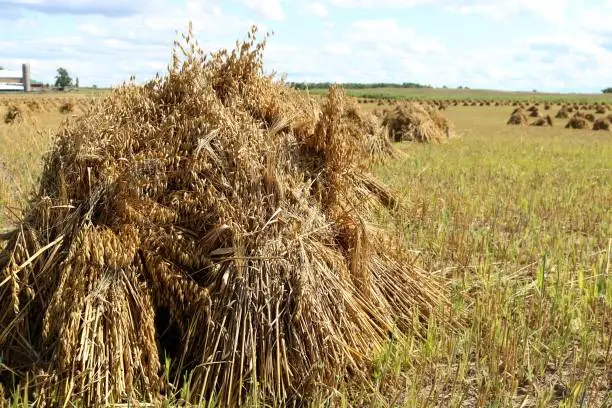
[[520, 221], [462, 94]]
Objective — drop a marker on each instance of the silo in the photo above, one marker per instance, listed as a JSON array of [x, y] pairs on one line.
[[27, 84]]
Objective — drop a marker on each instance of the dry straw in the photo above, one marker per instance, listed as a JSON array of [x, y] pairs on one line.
[[564, 113], [67, 107], [217, 217], [601, 124], [518, 117], [543, 121], [417, 123], [577, 121], [601, 109], [535, 113], [14, 114]]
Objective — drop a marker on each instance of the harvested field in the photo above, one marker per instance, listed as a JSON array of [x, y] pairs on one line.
[[512, 224]]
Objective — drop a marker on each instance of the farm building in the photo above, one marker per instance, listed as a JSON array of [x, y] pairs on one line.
[[17, 81], [11, 80]]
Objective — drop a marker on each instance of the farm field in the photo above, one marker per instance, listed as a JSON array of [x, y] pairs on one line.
[[517, 220], [23, 146], [519, 216], [468, 94]]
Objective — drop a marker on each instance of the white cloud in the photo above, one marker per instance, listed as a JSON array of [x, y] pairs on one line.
[[108, 47], [337, 48], [117, 44], [107, 50], [270, 9], [388, 34], [365, 51], [318, 9], [378, 3], [85, 7], [595, 19], [551, 10], [91, 29], [547, 9], [7, 44]]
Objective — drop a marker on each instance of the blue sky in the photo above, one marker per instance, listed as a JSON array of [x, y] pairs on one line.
[[549, 45]]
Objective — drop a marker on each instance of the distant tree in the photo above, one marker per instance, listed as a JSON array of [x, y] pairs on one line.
[[607, 90], [76, 82], [94, 86], [62, 79]]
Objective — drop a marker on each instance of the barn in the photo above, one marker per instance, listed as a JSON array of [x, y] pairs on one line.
[[16, 81], [11, 80]]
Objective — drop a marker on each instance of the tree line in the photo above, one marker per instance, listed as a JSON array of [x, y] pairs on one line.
[[356, 85]]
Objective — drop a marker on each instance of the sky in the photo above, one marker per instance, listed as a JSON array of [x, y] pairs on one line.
[[547, 45]]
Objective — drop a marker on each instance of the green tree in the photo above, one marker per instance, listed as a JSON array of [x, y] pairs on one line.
[[62, 79], [607, 90]]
